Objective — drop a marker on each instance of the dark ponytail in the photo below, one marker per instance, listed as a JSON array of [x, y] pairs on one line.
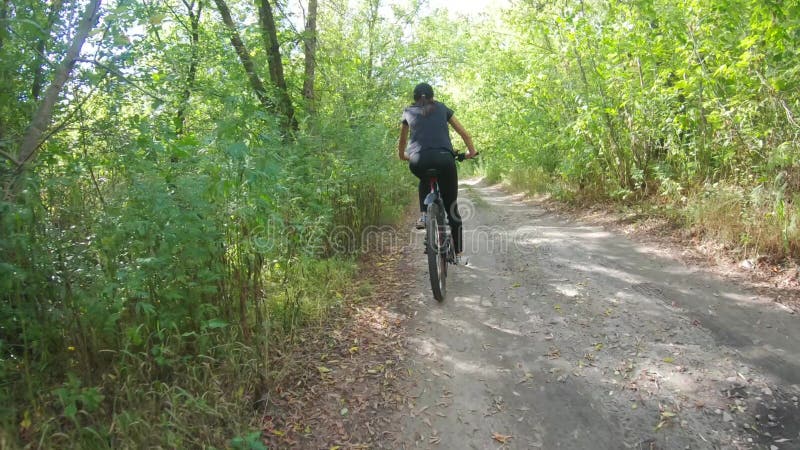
[[426, 104], [423, 98]]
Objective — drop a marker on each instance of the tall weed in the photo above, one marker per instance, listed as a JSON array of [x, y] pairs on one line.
[[760, 221]]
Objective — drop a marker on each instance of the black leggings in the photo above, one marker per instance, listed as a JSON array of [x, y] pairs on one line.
[[443, 161]]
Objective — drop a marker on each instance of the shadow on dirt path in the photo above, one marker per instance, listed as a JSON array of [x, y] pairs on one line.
[[560, 334]]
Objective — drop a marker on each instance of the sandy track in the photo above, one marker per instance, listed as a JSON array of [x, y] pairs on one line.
[[563, 335]]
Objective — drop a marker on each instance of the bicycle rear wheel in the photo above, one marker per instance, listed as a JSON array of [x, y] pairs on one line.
[[437, 262]]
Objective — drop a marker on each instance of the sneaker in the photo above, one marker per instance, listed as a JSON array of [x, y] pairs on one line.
[[420, 225]]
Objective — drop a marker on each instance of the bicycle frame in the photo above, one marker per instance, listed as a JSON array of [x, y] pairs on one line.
[[434, 194]]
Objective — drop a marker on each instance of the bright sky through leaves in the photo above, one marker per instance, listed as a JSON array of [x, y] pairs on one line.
[[469, 7]]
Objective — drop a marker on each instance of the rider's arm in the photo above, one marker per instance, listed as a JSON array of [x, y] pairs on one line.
[[401, 146], [464, 136]]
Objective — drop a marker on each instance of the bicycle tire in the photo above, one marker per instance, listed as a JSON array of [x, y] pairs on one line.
[[434, 250]]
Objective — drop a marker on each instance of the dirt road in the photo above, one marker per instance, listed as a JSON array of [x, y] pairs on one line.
[[562, 335]]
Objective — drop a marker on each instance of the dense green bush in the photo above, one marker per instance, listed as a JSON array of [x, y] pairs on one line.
[[185, 272], [174, 234], [645, 100]]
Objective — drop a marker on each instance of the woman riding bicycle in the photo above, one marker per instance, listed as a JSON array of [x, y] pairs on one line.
[[429, 147]]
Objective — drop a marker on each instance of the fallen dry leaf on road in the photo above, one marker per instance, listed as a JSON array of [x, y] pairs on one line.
[[501, 438]]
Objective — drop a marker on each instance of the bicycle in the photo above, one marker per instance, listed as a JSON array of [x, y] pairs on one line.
[[438, 241]]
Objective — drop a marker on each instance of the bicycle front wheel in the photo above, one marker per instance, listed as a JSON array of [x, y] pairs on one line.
[[437, 262]]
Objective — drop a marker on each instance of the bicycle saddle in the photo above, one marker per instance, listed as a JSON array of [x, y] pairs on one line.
[[432, 172]]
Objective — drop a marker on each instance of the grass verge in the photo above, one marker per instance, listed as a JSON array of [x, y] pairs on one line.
[[759, 222]]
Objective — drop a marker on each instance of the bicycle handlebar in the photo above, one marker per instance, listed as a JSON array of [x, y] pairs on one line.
[[462, 156]]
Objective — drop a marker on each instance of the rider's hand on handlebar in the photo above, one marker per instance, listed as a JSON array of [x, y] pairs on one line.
[[462, 156]]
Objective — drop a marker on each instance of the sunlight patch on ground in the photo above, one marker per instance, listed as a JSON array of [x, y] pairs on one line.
[[463, 366], [502, 329], [603, 270], [478, 308], [591, 233], [471, 181], [567, 290], [441, 352]]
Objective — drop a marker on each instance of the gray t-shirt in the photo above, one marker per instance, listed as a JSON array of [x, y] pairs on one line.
[[428, 132]]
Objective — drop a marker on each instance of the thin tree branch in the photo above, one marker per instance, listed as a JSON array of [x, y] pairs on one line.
[[10, 158], [122, 77], [41, 45], [3, 20], [289, 22], [244, 57], [178, 17], [33, 48], [67, 120], [89, 166], [269, 35], [180, 117], [31, 140]]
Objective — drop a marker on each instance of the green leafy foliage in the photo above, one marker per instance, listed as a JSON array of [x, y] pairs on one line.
[[250, 442], [151, 273], [648, 100]]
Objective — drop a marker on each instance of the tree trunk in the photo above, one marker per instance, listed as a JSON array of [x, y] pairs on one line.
[[32, 139], [310, 50], [270, 36], [194, 18], [244, 57], [372, 20]]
